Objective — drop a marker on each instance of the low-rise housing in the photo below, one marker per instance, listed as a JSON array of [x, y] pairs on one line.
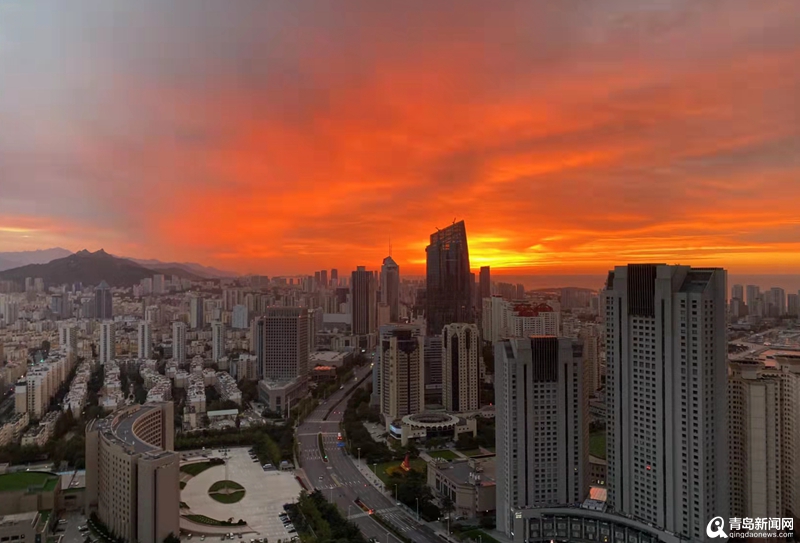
[[470, 484]]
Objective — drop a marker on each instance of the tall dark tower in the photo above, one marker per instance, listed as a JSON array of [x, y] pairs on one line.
[[102, 302], [449, 281]]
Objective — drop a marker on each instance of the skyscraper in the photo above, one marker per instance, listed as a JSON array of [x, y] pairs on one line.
[[285, 343], [334, 277], [461, 367], [449, 283], [390, 287], [159, 284], [217, 340], [778, 299], [364, 304], [541, 394], [666, 380], [145, 340], [485, 282], [239, 318], [103, 308], [737, 291], [323, 278], [764, 438], [108, 342], [402, 377], [752, 293], [196, 316], [179, 341]]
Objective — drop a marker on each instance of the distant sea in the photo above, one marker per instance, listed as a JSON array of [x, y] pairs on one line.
[[790, 283]]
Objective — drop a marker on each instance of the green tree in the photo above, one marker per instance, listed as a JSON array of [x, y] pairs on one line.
[[172, 538]]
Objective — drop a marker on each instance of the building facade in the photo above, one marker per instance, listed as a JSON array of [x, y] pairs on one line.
[[390, 287], [542, 417], [666, 380], [132, 472], [108, 342], [145, 340], [402, 374], [449, 281], [364, 303], [285, 343], [461, 353]]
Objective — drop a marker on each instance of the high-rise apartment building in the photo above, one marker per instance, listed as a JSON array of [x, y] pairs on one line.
[[323, 278], [666, 380], [764, 438], [542, 417], [390, 287], [793, 305], [179, 341], [448, 280], [239, 319], [159, 284], [132, 473], [777, 297], [108, 342], [145, 340], [196, 313], [485, 282], [217, 341], [461, 355], [402, 371], [285, 343], [737, 291], [334, 277], [752, 293], [103, 306], [68, 337], [364, 303], [231, 297], [433, 369]]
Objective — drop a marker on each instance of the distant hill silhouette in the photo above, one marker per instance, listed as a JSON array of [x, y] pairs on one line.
[[89, 269], [23, 258]]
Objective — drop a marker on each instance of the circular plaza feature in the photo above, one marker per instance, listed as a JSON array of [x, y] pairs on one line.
[[226, 491]]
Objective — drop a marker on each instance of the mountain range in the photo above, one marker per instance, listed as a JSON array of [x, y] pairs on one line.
[[12, 260], [23, 258], [91, 268]]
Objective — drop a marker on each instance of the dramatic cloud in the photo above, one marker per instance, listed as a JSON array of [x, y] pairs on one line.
[[282, 137]]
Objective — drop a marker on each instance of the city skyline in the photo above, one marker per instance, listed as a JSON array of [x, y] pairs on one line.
[[245, 138]]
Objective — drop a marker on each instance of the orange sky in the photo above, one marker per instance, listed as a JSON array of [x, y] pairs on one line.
[[280, 138]]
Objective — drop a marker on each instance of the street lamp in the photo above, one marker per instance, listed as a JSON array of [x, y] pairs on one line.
[[359, 455], [418, 511], [395, 494]]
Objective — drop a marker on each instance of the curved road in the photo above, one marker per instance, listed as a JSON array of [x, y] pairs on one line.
[[340, 480]]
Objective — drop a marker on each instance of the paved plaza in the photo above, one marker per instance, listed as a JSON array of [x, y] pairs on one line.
[[266, 493]]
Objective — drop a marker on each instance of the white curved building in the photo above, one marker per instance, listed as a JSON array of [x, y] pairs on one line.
[[132, 472]]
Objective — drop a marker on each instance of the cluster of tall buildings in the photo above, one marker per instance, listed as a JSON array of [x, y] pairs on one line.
[[750, 301]]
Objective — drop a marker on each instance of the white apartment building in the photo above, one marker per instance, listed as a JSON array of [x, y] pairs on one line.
[[461, 354], [542, 417], [764, 438], [666, 381], [503, 319], [108, 342], [145, 340], [217, 341], [179, 341], [401, 378]]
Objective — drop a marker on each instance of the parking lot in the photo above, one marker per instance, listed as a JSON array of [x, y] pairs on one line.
[[69, 529], [265, 494]]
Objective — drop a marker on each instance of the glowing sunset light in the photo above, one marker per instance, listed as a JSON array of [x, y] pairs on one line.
[[287, 138]]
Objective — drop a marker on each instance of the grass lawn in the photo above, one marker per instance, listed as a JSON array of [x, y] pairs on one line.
[[417, 464], [221, 485], [196, 468], [202, 519], [21, 480], [597, 444], [445, 454]]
